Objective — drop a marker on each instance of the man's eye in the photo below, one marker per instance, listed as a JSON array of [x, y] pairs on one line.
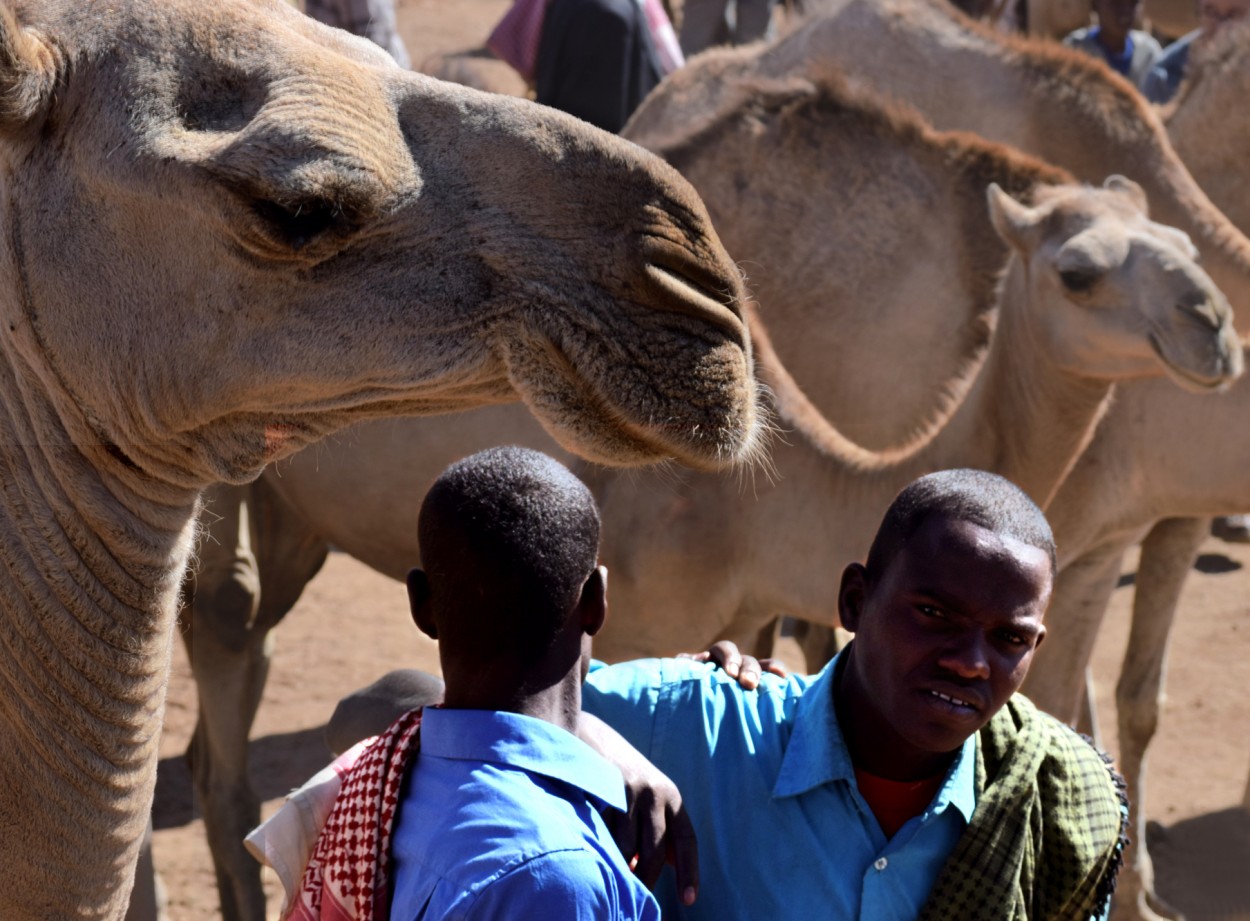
[[1012, 638], [929, 610]]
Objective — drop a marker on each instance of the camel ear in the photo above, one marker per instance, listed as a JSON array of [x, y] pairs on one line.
[[29, 69], [1118, 183], [1018, 225]]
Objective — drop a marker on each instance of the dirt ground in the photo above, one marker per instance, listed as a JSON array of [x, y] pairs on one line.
[[352, 625]]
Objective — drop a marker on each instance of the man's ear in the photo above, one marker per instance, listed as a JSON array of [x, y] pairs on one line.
[[851, 596], [419, 603], [592, 606]]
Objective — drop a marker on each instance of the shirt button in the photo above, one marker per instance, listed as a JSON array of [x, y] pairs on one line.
[[881, 863]]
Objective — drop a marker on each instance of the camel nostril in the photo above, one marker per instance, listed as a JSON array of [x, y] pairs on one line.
[[1204, 310], [682, 294]]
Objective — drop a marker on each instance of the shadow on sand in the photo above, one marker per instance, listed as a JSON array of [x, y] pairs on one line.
[[277, 764], [1202, 865]]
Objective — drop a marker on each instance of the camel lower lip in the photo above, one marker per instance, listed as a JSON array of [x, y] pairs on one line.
[[1194, 378]]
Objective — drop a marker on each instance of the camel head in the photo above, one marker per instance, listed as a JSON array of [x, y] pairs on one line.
[[1115, 294], [230, 230]]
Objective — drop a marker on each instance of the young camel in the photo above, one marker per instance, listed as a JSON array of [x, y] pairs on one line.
[[908, 174], [1055, 103], [273, 232]]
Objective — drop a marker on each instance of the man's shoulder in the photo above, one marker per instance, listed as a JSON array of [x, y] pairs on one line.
[[1073, 773], [570, 884]]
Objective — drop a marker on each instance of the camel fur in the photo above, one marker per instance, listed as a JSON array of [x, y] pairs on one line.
[[1053, 102], [229, 231]]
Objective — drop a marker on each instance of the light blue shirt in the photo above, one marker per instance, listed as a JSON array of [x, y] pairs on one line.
[[499, 819], [767, 778]]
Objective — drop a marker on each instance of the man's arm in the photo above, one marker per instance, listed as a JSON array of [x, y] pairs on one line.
[[655, 829]]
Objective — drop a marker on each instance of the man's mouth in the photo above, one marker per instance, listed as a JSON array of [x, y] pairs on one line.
[[955, 702]]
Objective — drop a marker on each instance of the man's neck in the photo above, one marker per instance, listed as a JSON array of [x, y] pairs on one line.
[[559, 704]]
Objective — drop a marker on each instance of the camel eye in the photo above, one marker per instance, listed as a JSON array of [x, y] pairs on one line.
[[299, 223], [1079, 281]]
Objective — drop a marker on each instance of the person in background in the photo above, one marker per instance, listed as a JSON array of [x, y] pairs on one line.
[[907, 779], [595, 59], [1129, 52], [706, 23], [1165, 77], [371, 19]]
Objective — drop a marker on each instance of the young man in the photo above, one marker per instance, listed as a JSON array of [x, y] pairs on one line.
[[1128, 51], [905, 780], [499, 813]]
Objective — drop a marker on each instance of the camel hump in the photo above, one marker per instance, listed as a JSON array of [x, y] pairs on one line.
[[369, 710]]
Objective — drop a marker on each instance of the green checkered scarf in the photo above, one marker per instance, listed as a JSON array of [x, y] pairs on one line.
[[1048, 834]]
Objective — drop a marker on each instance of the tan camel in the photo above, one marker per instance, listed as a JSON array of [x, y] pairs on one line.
[[346, 491], [1154, 458], [229, 231], [1058, 104], [478, 68]]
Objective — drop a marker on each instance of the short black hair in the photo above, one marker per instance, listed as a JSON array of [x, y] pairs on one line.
[[975, 496], [509, 536]]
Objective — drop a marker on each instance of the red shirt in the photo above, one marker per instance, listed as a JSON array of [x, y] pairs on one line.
[[893, 802]]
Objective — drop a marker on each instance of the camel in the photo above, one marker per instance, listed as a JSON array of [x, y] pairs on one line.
[[345, 492], [229, 231], [1055, 103], [1191, 457], [478, 68]]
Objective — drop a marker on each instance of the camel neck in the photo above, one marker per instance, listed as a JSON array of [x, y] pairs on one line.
[[90, 568], [1029, 416]]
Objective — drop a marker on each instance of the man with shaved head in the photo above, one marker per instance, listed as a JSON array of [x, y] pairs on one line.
[[907, 779], [499, 813]]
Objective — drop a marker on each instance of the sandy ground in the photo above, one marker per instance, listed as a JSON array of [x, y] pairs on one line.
[[352, 625]]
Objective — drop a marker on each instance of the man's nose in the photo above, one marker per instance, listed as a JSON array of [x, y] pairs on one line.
[[967, 658]]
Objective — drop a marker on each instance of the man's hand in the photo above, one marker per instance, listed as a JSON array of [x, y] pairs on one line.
[[747, 669], [655, 829]]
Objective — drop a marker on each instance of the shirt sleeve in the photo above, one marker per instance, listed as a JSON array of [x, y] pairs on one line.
[[562, 886], [626, 697]]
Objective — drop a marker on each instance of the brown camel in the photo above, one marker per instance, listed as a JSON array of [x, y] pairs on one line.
[[1055, 103], [229, 231], [897, 176]]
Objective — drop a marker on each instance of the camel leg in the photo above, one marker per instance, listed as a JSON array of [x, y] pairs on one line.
[[1167, 555], [765, 640], [252, 568], [230, 661], [147, 899], [1056, 679]]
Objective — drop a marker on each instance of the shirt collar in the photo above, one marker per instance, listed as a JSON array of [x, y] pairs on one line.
[[817, 754], [523, 742]]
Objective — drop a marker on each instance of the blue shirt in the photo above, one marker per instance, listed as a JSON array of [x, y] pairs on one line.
[[499, 819], [767, 778]]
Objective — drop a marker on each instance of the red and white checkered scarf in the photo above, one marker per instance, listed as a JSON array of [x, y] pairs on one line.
[[347, 876]]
